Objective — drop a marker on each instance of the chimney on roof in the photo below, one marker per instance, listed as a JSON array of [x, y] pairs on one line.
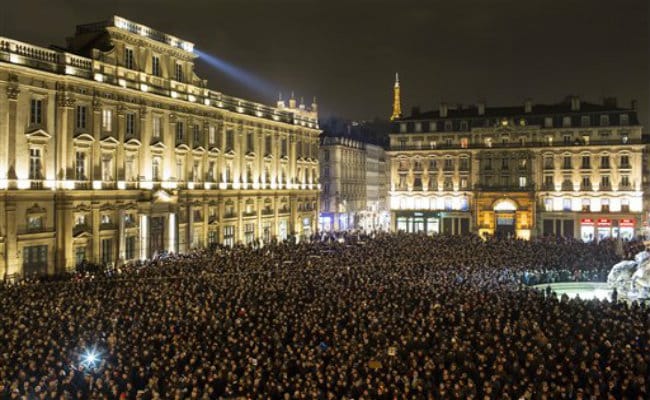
[[633, 104], [528, 106], [481, 108], [443, 110], [610, 102], [415, 111], [575, 103]]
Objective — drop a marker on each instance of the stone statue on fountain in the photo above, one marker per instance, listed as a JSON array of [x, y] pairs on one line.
[[631, 278]]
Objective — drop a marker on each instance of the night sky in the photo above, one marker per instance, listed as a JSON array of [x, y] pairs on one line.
[[346, 52]]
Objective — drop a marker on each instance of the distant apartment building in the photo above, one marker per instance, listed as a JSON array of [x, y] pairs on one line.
[[572, 169], [354, 181]]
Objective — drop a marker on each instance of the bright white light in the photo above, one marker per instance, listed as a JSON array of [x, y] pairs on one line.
[[121, 82], [99, 77], [206, 102], [191, 98], [174, 94], [144, 87], [90, 358]]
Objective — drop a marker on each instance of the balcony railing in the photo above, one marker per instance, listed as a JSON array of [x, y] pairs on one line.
[[535, 144], [505, 188]]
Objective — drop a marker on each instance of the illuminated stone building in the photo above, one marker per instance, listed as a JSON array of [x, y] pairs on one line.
[[113, 149], [354, 177], [571, 169]]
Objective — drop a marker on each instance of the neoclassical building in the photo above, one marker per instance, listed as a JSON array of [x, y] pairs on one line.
[[113, 149], [572, 169]]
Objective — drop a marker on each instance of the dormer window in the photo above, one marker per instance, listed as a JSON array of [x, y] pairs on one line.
[[402, 127], [463, 125], [418, 126], [548, 122], [624, 119], [604, 120], [585, 121], [566, 122], [448, 125], [128, 58]]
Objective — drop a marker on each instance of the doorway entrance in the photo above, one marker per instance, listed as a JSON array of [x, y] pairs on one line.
[[157, 239], [504, 215]]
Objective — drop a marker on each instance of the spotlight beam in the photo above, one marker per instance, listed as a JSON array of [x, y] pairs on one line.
[[244, 77]]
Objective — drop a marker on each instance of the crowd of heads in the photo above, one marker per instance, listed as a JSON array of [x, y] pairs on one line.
[[391, 316]]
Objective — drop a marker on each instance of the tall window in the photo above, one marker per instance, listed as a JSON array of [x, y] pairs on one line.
[[179, 169], [129, 172], [107, 120], [212, 134], [107, 166], [567, 162], [196, 133], [81, 117], [178, 72], [230, 140], [625, 181], [249, 142], [129, 247], [196, 171], [36, 112], [604, 162], [107, 250], [128, 58], [284, 147], [155, 169], [625, 161], [156, 127], [585, 121], [268, 146], [180, 132], [155, 65], [34, 163], [586, 162], [604, 182], [80, 166], [130, 124], [211, 174]]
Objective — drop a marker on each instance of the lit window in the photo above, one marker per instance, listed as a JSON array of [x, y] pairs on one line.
[[155, 65], [180, 131], [156, 127], [80, 166], [212, 134], [566, 122], [35, 163], [523, 182], [107, 120]]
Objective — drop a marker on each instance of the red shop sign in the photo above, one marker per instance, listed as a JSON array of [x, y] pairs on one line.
[[604, 222], [587, 221], [627, 222]]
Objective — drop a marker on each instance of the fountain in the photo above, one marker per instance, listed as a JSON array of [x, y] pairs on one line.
[[631, 278]]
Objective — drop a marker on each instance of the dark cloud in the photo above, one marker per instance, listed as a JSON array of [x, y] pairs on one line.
[[346, 52]]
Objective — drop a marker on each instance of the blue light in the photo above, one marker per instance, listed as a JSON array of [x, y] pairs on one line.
[[246, 78], [90, 358]]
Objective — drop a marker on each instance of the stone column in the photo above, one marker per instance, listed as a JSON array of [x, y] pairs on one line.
[[12, 95]]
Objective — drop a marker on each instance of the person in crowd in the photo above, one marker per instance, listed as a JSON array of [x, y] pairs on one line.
[[386, 316]]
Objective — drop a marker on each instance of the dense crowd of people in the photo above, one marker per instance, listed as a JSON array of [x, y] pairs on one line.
[[392, 316]]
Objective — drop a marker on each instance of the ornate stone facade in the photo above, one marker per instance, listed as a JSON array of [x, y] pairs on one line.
[[115, 150], [573, 169]]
